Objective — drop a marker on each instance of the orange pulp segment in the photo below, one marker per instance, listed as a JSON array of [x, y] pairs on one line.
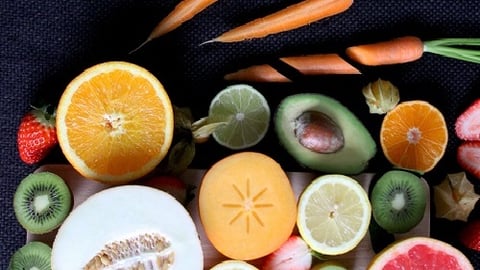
[[247, 205], [414, 136], [115, 122]]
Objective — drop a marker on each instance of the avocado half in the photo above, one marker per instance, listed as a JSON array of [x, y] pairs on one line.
[[349, 151]]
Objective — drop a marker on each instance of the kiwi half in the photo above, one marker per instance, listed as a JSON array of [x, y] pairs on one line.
[[398, 201], [41, 202], [33, 255]]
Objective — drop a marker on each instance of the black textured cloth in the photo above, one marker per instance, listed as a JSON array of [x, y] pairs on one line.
[[45, 44]]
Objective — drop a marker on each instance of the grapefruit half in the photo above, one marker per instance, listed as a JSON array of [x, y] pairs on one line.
[[420, 253]]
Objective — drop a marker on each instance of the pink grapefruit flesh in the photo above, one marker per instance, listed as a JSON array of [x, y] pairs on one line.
[[420, 253]]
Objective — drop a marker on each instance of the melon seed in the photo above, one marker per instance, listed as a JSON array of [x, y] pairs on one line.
[[146, 251]]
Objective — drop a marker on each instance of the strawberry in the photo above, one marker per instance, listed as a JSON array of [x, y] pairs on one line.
[[470, 235], [36, 135], [293, 254], [170, 184], [467, 125], [468, 157]]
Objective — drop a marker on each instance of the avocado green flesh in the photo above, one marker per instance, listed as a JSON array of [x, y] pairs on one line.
[[359, 146]]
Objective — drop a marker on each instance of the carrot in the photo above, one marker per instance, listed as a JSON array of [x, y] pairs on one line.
[[291, 17], [314, 64], [395, 51], [410, 48], [183, 11], [257, 73]]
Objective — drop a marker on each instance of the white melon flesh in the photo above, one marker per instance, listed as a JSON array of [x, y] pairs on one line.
[[150, 223]]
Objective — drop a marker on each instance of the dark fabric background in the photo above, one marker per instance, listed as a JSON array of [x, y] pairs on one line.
[[44, 44]]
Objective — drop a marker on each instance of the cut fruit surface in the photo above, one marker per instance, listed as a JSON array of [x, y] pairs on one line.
[[245, 114], [128, 226], [333, 214], [322, 134], [467, 125], [420, 253], [115, 122], [329, 265], [398, 200], [293, 254], [33, 255], [233, 265], [41, 202], [414, 136], [247, 205]]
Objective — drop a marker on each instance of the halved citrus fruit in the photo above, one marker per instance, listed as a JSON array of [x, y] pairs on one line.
[[245, 114], [334, 213], [420, 253], [247, 205], [233, 265], [115, 122], [414, 136]]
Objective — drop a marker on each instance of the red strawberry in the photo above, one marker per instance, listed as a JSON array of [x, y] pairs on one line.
[[467, 126], [36, 135], [470, 235], [294, 254], [468, 157], [170, 184]]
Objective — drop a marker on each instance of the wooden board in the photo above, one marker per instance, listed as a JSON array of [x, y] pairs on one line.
[[355, 259]]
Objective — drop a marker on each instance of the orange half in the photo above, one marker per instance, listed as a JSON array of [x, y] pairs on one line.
[[414, 136], [115, 122]]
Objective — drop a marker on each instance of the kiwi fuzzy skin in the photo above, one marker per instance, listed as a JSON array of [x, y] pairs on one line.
[[48, 185], [394, 185]]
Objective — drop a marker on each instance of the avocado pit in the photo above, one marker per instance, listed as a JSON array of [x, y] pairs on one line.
[[322, 134], [317, 132]]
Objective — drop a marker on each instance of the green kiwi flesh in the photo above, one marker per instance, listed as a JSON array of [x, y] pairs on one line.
[[41, 202], [398, 201], [33, 255]]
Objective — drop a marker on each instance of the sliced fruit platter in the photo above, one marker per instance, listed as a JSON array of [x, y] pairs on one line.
[[128, 197], [357, 258], [245, 209]]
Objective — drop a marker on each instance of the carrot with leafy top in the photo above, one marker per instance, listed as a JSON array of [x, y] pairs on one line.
[[183, 11], [291, 17], [410, 48], [313, 64]]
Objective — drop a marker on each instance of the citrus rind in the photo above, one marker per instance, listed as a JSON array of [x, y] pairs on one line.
[[417, 144], [405, 250], [233, 265], [335, 200], [158, 146], [245, 113]]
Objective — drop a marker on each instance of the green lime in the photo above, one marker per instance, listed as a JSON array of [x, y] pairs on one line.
[[244, 114]]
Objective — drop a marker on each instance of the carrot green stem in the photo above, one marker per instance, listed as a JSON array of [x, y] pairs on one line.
[[466, 49]]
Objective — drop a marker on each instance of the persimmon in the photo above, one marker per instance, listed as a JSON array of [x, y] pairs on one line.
[[247, 205]]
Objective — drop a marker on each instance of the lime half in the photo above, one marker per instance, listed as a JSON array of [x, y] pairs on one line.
[[244, 114]]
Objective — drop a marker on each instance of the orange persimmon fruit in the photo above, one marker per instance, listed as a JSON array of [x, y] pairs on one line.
[[247, 205]]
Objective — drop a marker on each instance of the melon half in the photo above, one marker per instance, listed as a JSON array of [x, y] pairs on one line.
[[128, 227]]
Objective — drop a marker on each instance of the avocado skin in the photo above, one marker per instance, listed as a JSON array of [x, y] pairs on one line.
[[359, 146]]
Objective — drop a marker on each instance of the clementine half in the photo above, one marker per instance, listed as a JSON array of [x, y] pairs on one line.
[[414, 136]]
